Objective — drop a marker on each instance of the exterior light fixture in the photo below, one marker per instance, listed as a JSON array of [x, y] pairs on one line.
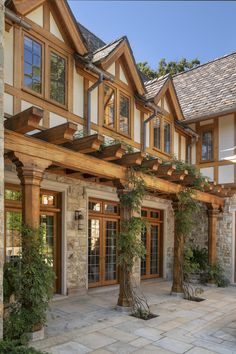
[[79, 217]]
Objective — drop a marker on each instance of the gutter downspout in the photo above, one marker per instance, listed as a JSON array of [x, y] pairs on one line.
[[17, 19]]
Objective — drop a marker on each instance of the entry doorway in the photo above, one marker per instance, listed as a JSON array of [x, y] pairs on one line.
[[103, 228], [50, 219], [152, 263]]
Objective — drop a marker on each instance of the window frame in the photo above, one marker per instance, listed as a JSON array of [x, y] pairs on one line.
[[47, 48], [168, 119], [205, 129], [54, 51], [121, 93], [115, 109], [31, 91]]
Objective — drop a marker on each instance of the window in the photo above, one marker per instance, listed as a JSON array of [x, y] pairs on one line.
[[157, 133], [32, 65], [57, 78], [109, 106], [207, 145], [167, 140], [124, 115]]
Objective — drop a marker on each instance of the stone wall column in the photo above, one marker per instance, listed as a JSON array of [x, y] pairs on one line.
[[177, 285], [1, 163], [213, 213], [30, 171]]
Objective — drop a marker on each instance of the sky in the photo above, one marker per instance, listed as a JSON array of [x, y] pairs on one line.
[[163, 29]]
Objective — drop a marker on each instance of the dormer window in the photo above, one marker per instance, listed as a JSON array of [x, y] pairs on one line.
[[32, 65], [157, 133], [167, 139], [207, 145]]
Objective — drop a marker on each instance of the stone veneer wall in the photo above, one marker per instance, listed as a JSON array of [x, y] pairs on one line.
[[199, 235], [1, 164]]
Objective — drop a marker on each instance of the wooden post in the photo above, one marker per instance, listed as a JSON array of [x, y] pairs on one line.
[[124, 299], [213, 212], [177, 286], [30, 172]]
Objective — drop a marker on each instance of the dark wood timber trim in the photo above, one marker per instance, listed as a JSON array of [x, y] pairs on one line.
[[25, 121]]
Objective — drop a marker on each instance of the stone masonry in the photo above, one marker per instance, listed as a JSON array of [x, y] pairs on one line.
[[1, 163]]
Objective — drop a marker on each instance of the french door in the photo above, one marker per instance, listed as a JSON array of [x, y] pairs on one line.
[[151, 264], [49, 220], [102, 246]]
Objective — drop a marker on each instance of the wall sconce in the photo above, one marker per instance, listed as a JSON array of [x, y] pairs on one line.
[[79, 217]]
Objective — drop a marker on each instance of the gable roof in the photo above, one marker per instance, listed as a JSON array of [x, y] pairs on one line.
[[208, 89], [66, 17], [92, 41], [102, 53], [153, 87]]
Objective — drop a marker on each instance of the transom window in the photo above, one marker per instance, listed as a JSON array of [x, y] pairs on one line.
[[207, 145], [32, 65]]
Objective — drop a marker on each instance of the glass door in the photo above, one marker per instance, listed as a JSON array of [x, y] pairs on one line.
[[110, 251], [12, 233], [151, 238], [94, 252]]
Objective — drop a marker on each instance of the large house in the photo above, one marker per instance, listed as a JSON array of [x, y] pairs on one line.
[[77, 114]]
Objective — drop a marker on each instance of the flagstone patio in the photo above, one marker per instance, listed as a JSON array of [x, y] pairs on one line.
[[91, 324]]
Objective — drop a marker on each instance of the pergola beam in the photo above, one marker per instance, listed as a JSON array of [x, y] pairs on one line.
[[88, 164], [152, 165], [110, 153], [59, 134], [86, 144], [25, 121], [133, 159]]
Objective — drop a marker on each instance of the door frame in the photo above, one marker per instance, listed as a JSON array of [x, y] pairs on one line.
[[103, 218]]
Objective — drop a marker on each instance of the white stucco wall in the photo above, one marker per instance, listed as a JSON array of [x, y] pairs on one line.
[[36, 16], [226, 136], [54, 28], [8, 104], [94, 103], [183, 148], [112, 69], [226, 174], [8, 56], [55, 119], [176, 144], [137, 125], [208, 172], [122, 76], [78, 94]]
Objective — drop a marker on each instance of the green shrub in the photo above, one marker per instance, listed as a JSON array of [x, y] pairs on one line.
[[14, 347], [191, 266], [28, 286], [217, 274]]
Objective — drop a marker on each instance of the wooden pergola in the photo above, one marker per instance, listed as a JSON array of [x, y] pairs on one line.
[[56, 150]]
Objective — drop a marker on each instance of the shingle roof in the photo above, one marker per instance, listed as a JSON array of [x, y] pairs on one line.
[[93, 42], [154, 86], [106, 50], [207, 89]]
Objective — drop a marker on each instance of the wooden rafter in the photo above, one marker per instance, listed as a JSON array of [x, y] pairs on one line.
[[110, 153], [133, 159], [59, 134], [177, 176], [86, 144], [152, 165], [25, 121], [165, 170], [88, 164]]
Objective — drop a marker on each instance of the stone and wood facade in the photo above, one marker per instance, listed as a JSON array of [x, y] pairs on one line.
[[75, 111]]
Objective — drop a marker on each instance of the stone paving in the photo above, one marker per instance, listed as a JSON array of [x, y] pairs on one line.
[[91, 324]]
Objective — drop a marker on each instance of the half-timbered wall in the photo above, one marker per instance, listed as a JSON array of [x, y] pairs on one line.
[[218, 169], [47, 30]]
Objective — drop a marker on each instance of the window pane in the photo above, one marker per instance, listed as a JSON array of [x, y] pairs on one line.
[[111, 208], [13, 237], [13, 195], [94, 206], [167, 137], [93, 250], [110, 258], [207, 146], [57, 78], [124, 114], [109, 106], [32, 65], [157, 133]]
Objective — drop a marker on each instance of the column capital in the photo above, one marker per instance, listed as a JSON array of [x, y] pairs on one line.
[[213, 210]]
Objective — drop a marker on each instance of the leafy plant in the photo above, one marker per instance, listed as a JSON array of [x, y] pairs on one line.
[[15, 347], [217, 274], [191, 266], [28, 286]]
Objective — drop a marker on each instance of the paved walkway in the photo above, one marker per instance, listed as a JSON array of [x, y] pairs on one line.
[[90, 324]]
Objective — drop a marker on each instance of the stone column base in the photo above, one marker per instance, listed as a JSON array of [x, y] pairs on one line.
[[178, 295], [37, 335]]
